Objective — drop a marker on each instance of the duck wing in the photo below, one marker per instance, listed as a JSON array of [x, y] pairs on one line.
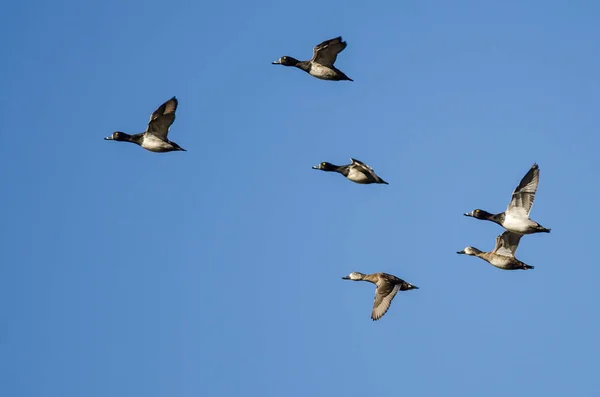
[[524, 194], [384, 294], [367, 169], [162, 118], [360, 163], [326, 53], [507, 244], [363, 166]]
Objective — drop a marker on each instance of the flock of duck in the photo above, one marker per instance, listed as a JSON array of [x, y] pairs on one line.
[[515, 220]]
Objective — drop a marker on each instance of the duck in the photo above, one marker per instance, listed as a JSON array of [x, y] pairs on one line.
[[388, 286], [503, 255], [357, 171], [154, 138], [321, 64], [516, 217]]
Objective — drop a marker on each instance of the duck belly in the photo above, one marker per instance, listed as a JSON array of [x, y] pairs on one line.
[[155, 144], [502, 262], [322, 72], [357, 176], [519, 225]]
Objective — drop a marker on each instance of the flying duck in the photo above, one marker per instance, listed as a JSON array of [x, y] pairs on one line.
[[357, 172], [321, 64], [387, 288], [516, 217], [503, 255], [154, 138]]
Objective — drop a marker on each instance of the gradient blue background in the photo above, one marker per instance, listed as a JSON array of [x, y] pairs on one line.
[[217, 272]]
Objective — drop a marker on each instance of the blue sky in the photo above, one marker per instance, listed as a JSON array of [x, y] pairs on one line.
[[217, 272]]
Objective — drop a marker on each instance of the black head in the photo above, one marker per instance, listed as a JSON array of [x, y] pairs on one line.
[[286, 61], [407, 286], [325, 166], [479, 214], [118, 136]]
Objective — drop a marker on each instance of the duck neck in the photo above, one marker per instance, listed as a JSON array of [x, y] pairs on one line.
[[342, 169], [304, 65], [137, 138], [497, 218]]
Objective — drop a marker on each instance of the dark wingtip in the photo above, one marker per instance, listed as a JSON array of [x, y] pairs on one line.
[[535, 166]]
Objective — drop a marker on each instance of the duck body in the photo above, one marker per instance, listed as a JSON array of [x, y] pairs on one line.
[[516, 217], [515, 224], [154, 139], [522, 225], [321, 64], [498, 261], [357, 172], [146, 141], [388, 286], [327, 73]]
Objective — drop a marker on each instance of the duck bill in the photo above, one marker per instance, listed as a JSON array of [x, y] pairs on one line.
[[109, 138], [345, 278], [277, 62], [460, 252]]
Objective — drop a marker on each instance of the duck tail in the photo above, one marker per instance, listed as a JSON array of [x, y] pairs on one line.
[[542, 229], [527, 267], [383, 182]]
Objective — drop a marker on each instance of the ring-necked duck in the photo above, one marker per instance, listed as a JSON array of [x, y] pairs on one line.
[[321, 64], [357, 172], [516, 217], [154, 138], [387, 287], [503, 255]]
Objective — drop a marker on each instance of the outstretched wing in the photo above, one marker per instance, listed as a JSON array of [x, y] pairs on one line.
[[162, 118], [507, 244], [524, 194], [384, 294], [326, 53]]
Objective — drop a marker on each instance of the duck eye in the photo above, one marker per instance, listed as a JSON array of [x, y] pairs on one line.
[[323, 164]]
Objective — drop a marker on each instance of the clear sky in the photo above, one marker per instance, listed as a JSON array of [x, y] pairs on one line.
[[217, 271]]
